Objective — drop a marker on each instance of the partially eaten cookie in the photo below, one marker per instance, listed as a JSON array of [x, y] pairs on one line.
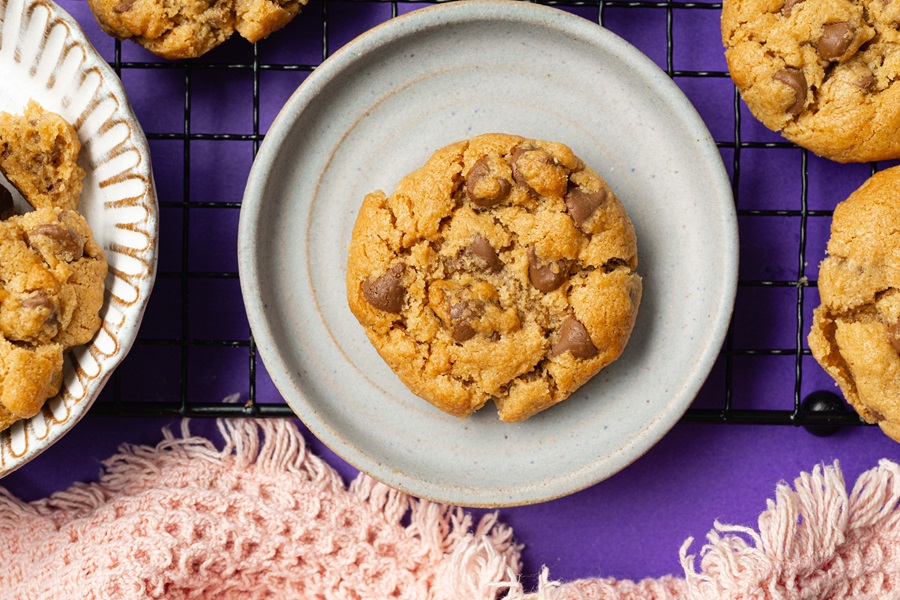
[[51, 268], [855, 333]]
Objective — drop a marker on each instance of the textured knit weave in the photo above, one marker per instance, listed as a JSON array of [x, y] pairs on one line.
[[263, 518]]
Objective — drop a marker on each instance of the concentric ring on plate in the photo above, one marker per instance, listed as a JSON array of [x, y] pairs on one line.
[[375, 111]]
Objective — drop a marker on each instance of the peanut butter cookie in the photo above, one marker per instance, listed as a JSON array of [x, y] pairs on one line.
[[177, 29], [51, 291], [51, 268], [820, 72], [502, 269], [39, 155], [856, 331]]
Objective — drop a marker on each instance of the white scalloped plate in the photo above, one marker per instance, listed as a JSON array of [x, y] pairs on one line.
[[44, 55], [377, 110]]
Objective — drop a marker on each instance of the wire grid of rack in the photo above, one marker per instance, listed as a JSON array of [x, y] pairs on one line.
[[173, 342]]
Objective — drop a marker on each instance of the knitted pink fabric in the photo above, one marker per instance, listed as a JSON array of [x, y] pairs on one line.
[[263, 518]]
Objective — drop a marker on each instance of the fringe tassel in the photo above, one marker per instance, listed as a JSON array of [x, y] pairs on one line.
[[474, 561], [814, 541]]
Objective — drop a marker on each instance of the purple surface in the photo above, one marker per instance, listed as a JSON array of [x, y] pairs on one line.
[[630, 526]]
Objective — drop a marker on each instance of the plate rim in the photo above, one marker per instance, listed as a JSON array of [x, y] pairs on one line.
[[110, 86], [390, 32]]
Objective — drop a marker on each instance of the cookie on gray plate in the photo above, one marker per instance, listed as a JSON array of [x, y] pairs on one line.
[[503, 269]]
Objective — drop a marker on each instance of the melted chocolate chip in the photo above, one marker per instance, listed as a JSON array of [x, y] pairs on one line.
[[71, 243], [461, 314], [387, 292], [546, 278], [574, 338], [866, 82], [483, 187], [7, 208], [482, 249], [836, 38], [789, 6], [41, 300], [124, 6], [894, 335], [517, 154], [582, 204], [794, 79]]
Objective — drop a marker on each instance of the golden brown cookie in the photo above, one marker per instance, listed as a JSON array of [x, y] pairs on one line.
[[51, 291], [820, 72], [39, 155], [856, 331], [502, 269], [177, 29], [51, 268]]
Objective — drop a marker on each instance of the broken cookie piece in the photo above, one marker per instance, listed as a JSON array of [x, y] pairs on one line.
[[39, 155], [855, 330], [52, 270], [502, 270]]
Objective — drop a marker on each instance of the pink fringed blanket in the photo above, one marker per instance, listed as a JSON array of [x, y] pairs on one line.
[[263, 518]]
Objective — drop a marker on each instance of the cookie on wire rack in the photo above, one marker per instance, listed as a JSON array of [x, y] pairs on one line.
[[820, 72], [855, 333], [179, 29]]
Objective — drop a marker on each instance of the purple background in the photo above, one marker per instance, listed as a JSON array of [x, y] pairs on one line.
[[630, 526]]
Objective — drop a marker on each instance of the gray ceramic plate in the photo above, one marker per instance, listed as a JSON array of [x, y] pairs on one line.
[[45, 56], [375, 111]]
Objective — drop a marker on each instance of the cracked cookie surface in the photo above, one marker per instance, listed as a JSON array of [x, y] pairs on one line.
[[52, 270], [503, 269], [39, 155], [855, 334], [178, 29], [821, 72], [51, 291]]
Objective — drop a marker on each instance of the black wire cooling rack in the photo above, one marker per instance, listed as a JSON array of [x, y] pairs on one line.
[[175, 388]]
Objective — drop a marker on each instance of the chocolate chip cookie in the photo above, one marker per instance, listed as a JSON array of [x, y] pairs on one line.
[[39, 155], [856, 331], [177, 29], [51, 292], [51, 268], [503, 269], [820, 72]]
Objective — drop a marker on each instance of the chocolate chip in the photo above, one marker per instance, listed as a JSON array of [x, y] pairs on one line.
[[387, 292], [518, 153], [71, 243], [123, 6], [574, 338], [836, 38], [482, 249], [794, 79], [866, 82], [38, 300], [41, 300], [461, 314], [582, 204], [894, 335], [547, 277], [7, 208], [789, 6], [483, 187]]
